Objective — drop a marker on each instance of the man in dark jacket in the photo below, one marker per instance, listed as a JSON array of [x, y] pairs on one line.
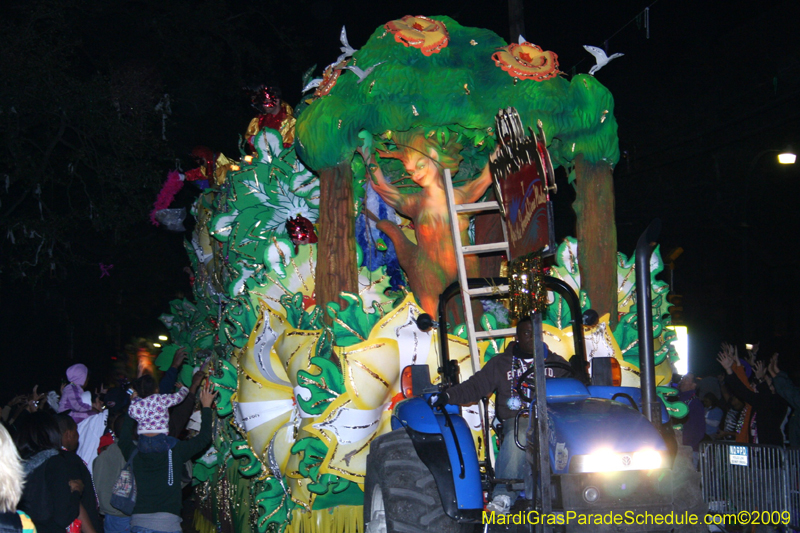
[[500, 375], [69, 444]]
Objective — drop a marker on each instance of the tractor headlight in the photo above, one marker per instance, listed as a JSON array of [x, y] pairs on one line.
[[610, 461], [646, 460]]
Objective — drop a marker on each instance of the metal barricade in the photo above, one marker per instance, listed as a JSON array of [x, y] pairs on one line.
[[751, 477]]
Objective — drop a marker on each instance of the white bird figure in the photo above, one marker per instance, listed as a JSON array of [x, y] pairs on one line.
[[346, 49], [362, 74], [600, 56], [312, 85]]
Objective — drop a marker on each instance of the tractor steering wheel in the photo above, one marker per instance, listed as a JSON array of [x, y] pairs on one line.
[[547, 364]]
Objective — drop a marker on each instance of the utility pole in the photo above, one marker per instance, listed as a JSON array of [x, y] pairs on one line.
[[516, 20]]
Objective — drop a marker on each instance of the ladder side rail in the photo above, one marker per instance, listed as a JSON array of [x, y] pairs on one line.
[[462, 271]]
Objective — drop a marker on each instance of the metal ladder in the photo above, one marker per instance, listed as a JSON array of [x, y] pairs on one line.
[[461, 250]]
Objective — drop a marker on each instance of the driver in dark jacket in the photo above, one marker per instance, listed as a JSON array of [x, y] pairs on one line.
[[500, 375]]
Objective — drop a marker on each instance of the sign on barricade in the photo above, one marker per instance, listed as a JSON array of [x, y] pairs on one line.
[[751, 478]]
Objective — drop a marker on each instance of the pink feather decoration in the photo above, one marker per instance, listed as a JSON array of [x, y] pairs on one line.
[[171, 187]]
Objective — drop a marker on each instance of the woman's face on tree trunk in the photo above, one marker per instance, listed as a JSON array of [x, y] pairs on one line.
[[422, 168]]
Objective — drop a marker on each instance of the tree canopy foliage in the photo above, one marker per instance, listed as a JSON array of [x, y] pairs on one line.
[[460, 88]]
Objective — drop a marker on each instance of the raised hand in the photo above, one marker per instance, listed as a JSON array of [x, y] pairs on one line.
[[206, 395], [773, 365], [726, 359], [759, 369], [177, 360], [197, 379]]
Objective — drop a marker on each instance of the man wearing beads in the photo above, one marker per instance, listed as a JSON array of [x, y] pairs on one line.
[[500, 375]]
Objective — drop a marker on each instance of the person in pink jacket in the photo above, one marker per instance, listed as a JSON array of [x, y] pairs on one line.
[[151, 412]]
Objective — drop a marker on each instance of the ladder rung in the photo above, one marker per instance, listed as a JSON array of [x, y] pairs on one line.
[[480, 206], [484, 291], [485, 248], [508, 332]]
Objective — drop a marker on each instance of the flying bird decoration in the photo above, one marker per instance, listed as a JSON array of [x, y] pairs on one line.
[[346, 49], [347, 52], [362, 74], [600, 56], [313, 84]]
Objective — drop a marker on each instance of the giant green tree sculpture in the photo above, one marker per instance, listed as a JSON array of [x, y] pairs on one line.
[[441, 77]]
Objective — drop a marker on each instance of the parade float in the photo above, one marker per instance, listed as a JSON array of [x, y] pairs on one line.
[[315, 249]]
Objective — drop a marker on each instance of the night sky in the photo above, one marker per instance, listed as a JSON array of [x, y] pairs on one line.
[[700, 105]]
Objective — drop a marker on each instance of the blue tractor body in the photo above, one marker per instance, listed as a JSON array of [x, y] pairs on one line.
[[583, 420]]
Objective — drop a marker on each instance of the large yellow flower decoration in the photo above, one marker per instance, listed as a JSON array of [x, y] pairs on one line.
[[429, 35], [527, 61], [266, 409]]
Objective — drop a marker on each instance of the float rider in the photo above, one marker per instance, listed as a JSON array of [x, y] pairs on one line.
[[501, 376]]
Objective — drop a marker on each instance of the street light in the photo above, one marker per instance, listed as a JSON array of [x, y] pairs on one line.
[[787, 157], [163, 337]]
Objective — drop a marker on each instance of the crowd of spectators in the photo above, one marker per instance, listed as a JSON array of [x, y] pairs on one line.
[[61, 453], [752, 401]]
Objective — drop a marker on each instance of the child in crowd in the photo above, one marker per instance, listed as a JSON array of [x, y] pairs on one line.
[[151, 411], [78, 376]]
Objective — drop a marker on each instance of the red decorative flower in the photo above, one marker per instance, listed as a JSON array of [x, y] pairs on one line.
[[429, 35], [527, 61]]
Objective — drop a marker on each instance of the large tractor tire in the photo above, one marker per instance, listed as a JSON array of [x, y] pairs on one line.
[[400, 494]]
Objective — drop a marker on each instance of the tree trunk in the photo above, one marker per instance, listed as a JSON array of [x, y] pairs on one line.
[[596, 230], [337, 270]]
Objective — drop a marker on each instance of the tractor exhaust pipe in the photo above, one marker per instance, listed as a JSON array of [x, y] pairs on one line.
[[644, 249]]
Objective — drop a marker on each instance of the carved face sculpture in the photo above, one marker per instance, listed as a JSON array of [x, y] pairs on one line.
[[265, 99], [423, 169]]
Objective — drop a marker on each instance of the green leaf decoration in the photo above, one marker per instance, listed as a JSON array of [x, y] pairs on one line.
[[274, 506], [323, 387], [627, 337], [238, 321], [297, 315], [185, 374], [675, 407], [205, 466], [226, 383], [313, 451], [249, 464], [352, 324], [331, 490], [164, 359], [339, 491]]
